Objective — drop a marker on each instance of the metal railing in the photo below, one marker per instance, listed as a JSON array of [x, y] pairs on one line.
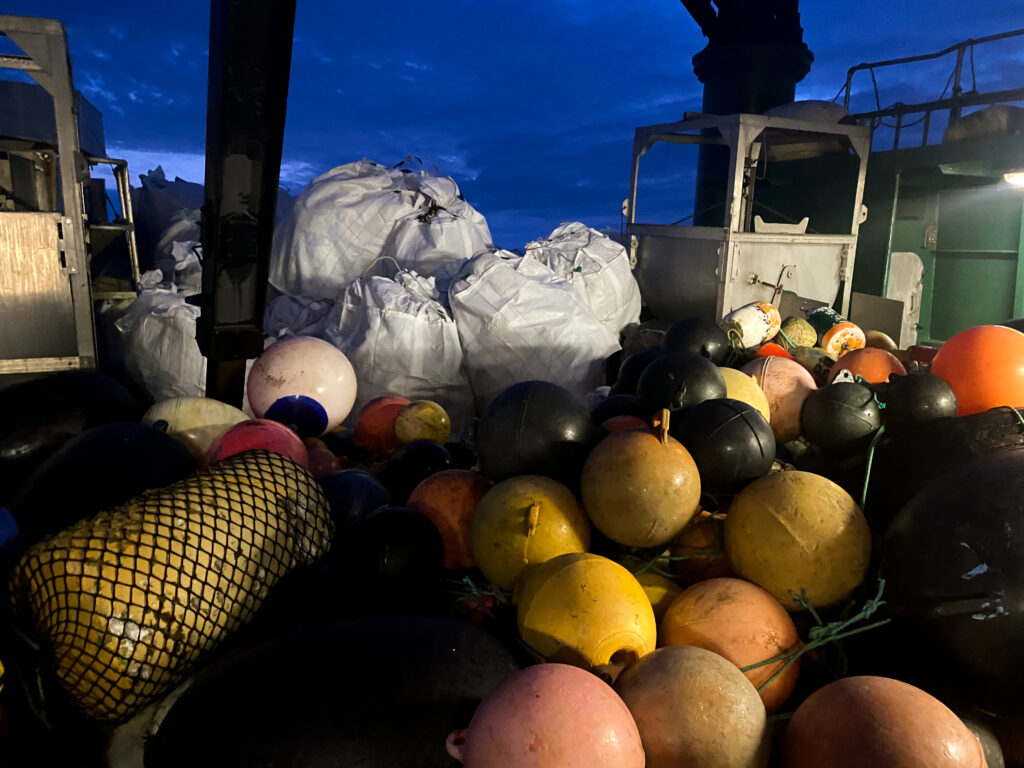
[[955, 102]]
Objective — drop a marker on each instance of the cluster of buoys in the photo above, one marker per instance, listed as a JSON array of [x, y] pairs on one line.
[[742, 551]]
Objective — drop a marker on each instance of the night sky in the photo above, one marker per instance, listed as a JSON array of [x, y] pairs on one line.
[[530, 105]]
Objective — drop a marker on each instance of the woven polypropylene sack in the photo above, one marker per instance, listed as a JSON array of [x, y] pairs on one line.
[[597, 267], [130, 600]]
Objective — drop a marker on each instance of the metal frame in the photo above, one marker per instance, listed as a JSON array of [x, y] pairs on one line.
[[250, 65], [126, 226], [741, 133], [955, 103], [47, 61]]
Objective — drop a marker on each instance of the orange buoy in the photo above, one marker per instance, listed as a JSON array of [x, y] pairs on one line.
[[449, 498], [375, 426], [698, 552], [743, 623], [881, 722], [873, 365], [771, 349], [984, 366]]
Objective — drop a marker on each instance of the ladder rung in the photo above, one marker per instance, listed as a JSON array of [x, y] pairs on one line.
[[25, 63], [112, 227]]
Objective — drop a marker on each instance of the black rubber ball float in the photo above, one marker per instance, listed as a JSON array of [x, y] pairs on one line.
[[729, 440], [700, 336], [535, 428], [840, 418], [678, 380], [915, 399], [630, 370]]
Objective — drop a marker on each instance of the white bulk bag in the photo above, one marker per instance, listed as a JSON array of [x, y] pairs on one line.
[[401, 340], [519, 321], [337, 229], [598, 269], [446, 231], [296, 316], [161, 353]]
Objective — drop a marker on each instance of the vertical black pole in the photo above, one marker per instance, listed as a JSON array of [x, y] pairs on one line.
[[250, 62], [754, 58]]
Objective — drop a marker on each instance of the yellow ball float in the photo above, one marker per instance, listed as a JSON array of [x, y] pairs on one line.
[[744, 387], [798, 532], [640, 488], [423, 420], [660, 590], [523, 521], [586, 610]]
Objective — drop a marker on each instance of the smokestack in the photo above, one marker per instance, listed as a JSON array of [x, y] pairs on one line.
[[754, 58]]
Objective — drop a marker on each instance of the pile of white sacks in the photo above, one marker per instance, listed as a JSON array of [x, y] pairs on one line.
[[398, 271]]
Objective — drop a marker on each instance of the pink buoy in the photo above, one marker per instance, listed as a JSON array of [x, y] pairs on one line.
[[786, 384], [259, 434], [550, 716], [303, 382]]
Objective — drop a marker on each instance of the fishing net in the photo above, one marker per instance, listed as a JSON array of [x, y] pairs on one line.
[[127, 602]]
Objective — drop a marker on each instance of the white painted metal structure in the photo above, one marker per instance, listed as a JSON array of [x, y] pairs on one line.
[[709, 271]]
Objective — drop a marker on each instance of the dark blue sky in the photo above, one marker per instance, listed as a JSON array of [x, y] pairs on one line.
[[529, 104]]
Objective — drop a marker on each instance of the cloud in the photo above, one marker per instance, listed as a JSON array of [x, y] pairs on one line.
[[417, 66], [95, 86]]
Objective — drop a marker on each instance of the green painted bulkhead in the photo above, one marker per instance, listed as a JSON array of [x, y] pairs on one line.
[[949, 204]]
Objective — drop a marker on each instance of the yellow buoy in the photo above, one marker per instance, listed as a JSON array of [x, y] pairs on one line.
[[586, 610], [525, 520], [661, 591], [423, 420], [798, 333], [742, 386], [640, 488], [195, 422], [797, 531]]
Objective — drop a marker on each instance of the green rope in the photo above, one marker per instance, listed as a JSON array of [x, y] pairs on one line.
[[1020, 418], [823, 633], [867, 471], [650, 564], [791, 344]]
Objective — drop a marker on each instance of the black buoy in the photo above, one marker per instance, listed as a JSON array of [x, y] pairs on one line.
[[352, 494], [535, 427], [395, 553], [98, 470], [700, 336], [729, 440], [463, 455], [41, 415], [413, 463], [342, 443], [678, 380], [840, 418], [916, 398], [610, 367], [631, 368], [369, 692], [616, 405], [952, 561]]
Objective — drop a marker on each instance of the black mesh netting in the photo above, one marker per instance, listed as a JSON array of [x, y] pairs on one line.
[[128, 601]]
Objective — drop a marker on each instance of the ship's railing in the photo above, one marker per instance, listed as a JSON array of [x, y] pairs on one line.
[[922, 113]]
